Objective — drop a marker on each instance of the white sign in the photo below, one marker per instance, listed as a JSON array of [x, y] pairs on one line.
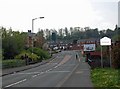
[[89, 47], [105, 41]]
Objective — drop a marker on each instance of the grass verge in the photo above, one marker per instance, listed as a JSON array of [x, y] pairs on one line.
[[105, 77]]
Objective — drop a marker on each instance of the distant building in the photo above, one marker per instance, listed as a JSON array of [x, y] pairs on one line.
[[88, 41], [34, 40]]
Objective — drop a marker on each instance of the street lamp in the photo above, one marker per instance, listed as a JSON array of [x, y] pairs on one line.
[[33, 30]]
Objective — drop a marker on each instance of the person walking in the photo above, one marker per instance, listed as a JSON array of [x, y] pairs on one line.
[[76, 56]]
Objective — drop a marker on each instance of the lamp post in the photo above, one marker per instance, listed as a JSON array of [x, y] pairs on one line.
[[33, 30]]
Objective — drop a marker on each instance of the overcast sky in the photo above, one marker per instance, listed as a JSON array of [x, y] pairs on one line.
[[18, 14]]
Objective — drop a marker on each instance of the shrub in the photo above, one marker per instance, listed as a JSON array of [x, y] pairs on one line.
[[41, 53], [31, 56]]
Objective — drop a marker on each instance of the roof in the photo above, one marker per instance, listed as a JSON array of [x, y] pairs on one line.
[[91, 39]]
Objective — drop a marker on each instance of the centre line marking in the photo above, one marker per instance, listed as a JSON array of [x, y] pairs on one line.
[[34, 76], [41, 72], [38, 74], [16, 83], [55, 66], [49, 70]]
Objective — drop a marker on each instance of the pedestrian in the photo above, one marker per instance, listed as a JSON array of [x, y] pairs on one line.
[[26, 59], [76, 56]]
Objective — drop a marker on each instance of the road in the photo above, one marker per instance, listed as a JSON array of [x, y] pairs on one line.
[[52, 74]]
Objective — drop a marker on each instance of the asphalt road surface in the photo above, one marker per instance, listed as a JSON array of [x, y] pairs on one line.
[[52, 74]]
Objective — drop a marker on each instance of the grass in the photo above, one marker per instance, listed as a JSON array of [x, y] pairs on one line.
[[105, 77]]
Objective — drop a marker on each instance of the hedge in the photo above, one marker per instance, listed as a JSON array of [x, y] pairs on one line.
[[12, 63]]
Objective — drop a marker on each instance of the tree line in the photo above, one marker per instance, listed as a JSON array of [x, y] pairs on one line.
[[77, 33]]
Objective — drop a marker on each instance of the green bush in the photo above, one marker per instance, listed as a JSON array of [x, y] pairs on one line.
[[12, 63], [31, 56], [41, 53]]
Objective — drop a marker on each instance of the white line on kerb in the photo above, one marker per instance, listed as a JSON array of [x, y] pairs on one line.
[[16, 83]]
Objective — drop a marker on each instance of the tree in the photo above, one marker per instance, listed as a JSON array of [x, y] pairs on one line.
[[109, 33], [40, 32], [102, 33], [71, 30], [13, 42], [66, 31], [10, 47], [95, 33], [47, 34], [54, 36], [4, 32], [60, 32]]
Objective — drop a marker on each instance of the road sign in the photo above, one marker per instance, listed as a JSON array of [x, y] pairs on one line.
[[105, 41]]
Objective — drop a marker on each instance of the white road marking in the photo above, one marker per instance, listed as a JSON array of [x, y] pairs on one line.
[[79, 72], [34, 76], [52, 60], [16, 83], [55, 66], [27, 73], [79, 59], [68, 65], [58, 71], [41, 72], [12, 74], [38, 74], [49, 70]]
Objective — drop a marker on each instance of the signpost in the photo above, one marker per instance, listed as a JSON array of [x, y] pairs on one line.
[[105, 41]]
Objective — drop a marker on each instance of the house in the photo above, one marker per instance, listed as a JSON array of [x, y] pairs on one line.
[[34, 40]]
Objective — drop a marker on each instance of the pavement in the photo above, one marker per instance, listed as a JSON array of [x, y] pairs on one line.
[[18, 69], [80, 76]]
